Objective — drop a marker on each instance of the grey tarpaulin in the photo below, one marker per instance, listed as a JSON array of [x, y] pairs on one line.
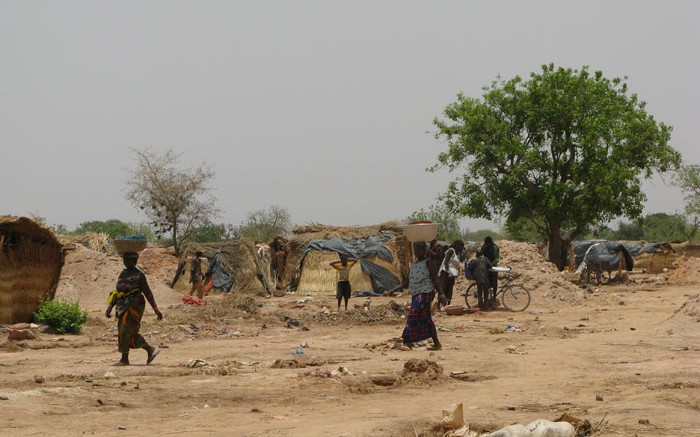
[[222, 279], [605, 252], [657, 247], [361, 249]]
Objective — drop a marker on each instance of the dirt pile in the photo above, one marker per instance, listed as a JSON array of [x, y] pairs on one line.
[[88, 276], [684, 270], [530, 269], [417, 371]]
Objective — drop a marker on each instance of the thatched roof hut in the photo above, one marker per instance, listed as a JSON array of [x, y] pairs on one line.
[[239, 258], [31, 259], [309, 270]]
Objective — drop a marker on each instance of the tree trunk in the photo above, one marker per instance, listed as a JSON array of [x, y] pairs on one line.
[[557, 248], [176, 245]]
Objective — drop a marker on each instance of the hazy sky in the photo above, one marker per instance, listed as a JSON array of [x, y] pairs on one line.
[[321, 107]]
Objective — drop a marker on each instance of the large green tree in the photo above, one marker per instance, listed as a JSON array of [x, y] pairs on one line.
[[566, 149], [688, 179]]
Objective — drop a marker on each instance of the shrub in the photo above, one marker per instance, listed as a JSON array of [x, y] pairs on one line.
[[62, 316]]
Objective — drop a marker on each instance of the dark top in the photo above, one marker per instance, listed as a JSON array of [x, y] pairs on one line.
[[132, 280], [196, 269], [482, 271]]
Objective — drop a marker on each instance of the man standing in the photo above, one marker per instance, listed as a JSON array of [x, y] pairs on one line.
[[196, 276], [492, 253]]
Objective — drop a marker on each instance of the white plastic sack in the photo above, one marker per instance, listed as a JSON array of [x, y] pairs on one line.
[[516, 430], [545, 428]]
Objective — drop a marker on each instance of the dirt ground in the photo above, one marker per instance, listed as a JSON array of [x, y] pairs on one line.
[[625, 357]]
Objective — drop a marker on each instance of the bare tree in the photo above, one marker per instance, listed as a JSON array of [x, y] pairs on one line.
[[176, 201]]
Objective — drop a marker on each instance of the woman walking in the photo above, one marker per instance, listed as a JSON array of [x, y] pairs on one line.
[[130, 299], [422, 282]]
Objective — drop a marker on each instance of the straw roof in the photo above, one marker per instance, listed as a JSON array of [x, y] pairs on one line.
[[31, 259], [303, 234]]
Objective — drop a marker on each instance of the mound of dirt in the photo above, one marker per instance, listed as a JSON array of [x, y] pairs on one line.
[[420, 371], [684, 270], [88, 276], [539, 276]]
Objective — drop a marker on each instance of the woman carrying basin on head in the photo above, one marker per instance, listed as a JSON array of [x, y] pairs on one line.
[[423, 283]]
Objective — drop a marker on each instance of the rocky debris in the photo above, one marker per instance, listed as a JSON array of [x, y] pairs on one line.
[[20, 334]]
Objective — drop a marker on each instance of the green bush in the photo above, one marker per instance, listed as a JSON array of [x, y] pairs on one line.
[[61, 316]]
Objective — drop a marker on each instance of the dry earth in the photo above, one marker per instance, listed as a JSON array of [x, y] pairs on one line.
[[624, 357]]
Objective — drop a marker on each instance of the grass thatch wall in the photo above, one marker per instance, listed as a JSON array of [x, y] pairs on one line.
[[319, 278], [31, 259], [250, 273]]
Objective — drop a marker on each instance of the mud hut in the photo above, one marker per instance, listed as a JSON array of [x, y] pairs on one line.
[[238, 260], [311, 251], [31, 259]]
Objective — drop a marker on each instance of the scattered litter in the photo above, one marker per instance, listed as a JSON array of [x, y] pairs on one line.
[[453, 415], [515, 350], [191, 300], [196, 363], [341, 371]]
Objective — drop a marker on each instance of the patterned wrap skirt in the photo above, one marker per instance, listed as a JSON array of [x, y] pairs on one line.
[[419, 320], [129, 312]]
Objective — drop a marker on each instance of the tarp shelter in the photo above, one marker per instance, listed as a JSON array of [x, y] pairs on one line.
[[234, 264], [654, 257], [31, 259], [606, 252], [382, 251]]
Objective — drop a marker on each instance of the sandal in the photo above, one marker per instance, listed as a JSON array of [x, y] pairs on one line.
[[152, 356]]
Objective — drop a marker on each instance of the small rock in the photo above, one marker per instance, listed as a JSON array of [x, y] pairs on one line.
[[109, 375], [121, 428], [383, 380], [38, 379], [632, 328], [4, 398], [644, 421], [598, 397], [20, 334]]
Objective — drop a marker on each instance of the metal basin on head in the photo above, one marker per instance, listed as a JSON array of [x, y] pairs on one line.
[[421, 231]]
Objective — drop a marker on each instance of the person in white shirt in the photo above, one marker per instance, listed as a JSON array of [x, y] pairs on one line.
[[450, 267]]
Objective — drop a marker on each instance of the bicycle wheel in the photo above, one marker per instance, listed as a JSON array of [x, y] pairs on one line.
[[470, 297], [515, 297]]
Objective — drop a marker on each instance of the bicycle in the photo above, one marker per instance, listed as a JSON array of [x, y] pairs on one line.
[[514, 297]]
